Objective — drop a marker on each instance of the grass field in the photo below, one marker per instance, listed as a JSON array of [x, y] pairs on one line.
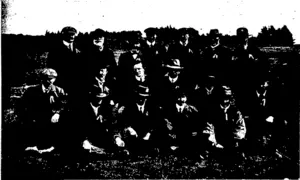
[[259, 163]]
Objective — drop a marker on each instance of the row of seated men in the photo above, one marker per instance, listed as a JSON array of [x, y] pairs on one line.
[[140, 123], [150, 98]]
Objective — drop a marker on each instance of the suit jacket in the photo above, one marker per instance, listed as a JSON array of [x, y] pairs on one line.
[[182, 123], [96, 60], [66, 63], [217, 61], [39, 106], [141, 122], [228, 125]]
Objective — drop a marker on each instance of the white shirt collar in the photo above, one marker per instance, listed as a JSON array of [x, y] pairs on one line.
[[142, 78], [150, 43], [95, 109], [172, 80], [225, 108], [180, 108], [141, 106], [208, 91]]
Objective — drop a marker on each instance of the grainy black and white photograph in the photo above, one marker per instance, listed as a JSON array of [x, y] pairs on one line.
[[150, 89]]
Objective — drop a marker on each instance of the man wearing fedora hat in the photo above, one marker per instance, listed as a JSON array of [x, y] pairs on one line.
[[216, 58], [172, 81], [43, 106]]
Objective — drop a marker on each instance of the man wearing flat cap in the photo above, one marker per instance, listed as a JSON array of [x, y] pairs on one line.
[[216, 58], [43, 106]]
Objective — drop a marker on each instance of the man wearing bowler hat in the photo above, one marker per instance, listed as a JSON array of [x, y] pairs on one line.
[[43, 107]]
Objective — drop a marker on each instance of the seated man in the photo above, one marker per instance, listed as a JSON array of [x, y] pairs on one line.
[[96, 125], [182, 124], [226, 125], [43, 105], [138, 122]]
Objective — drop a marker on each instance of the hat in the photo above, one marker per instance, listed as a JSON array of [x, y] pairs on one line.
[[242, 32], [48, 72], [96, 91], [174, 64], [214, 33], [98, 33], [150, 31], [68, 30], [142, 90]]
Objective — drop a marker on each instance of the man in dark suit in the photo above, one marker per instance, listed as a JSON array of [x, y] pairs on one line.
[[97, 127], [171, 82], [99, 55], [65, 59], [151, 53], [43, 107], [139, 122], [183, 126], [216, 58]]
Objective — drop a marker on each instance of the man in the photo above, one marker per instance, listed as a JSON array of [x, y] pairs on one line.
[[216, 58], [226, 124], [151, 52], [65, 59], [43, 107], [183, 125], [171, 82], [184, 51], [99, 55], [97, 126], [138, 121], [251, 68]]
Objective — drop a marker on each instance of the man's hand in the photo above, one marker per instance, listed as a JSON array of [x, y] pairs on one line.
[[132, 132], [147, 136], [55, 118], [119, 142]]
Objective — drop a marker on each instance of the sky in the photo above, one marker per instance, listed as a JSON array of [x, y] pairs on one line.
[[34, 17]]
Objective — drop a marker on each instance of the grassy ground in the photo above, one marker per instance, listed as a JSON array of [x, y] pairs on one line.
[[260, 162]]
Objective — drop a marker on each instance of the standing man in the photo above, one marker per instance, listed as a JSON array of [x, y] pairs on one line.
[[251, 69], [43, 107], [99, 55], [216, 58]]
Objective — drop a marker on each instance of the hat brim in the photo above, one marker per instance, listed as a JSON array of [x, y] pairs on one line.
[[144, 95], [102, 95], [174, 67]]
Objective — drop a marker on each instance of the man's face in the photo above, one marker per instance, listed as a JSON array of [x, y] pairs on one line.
[[139, 70], [185, 38], [227, 97], [99, 41], [151, 37], [69, 37], [174, 73], [136, 47], [141, 99], [48, 81], [215, 40], [181, 100], [102, 73]]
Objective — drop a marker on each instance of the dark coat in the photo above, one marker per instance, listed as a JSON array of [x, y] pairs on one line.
[[96, 60], [142, 122], [39, 106], [67, 64], [216, 61], [181, 124]]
